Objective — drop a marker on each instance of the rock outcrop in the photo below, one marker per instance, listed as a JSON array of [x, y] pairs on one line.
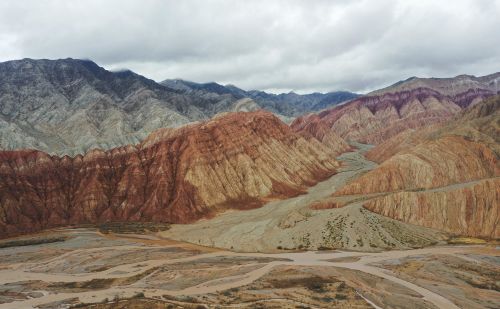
[[238, 160], [431, 164], [321, 132]]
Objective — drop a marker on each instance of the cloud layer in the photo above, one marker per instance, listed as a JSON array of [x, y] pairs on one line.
[[322, 45]]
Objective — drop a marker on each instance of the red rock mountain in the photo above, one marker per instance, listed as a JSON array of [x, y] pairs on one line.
[[237, 160], [446, 177], [375, 118]]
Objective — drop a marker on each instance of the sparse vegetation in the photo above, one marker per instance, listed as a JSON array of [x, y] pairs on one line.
[[132, 227], [466, 240], [97, 284], [340, 296], [31, 241]]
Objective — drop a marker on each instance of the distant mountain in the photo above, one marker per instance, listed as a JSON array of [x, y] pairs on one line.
[[69, 106], [446, 86], [287, 104], [377, 117]]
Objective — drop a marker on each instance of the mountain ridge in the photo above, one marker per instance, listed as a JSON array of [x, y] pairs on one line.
[[69, 106], [375, 118], [238, 160], [288, 104], [446, 85]]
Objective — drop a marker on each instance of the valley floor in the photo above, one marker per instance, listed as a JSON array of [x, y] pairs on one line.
[[144, 271], [293, 224]]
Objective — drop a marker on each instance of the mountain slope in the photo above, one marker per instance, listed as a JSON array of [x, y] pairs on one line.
[[287, 104], [70, 106], [238, 160], [375, 118], [446, 177], [447, 86]]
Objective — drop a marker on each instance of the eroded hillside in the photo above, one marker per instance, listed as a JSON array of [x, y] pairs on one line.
[[237, 160]]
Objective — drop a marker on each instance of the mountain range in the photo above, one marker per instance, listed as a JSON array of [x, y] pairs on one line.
[[286, 104], [70, 106], [85, 145]]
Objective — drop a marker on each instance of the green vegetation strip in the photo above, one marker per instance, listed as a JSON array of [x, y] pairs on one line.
[[31, 241], [132, 227]]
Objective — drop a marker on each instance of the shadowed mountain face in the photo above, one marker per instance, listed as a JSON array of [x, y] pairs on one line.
[[176, 175], [70, 106], [287, 104]]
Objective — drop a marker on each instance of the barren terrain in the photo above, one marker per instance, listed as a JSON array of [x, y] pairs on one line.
[[293, 224], [144, 271]]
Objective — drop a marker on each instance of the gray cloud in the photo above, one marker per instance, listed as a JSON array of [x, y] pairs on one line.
[[356, 45]]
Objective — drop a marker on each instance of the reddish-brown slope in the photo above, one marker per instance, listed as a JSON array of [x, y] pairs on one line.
[[321, 132], [447, 160], [376, 118], [234, 161], [459, 161], [479, 123], [471, 210]]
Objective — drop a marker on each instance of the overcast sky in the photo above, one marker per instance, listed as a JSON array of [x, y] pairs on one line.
[[323, 45]]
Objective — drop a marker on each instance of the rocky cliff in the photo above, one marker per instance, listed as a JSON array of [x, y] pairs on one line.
[[237, 160], [70, 106], [321, 132]]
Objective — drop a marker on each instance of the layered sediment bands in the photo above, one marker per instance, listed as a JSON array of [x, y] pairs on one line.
[[321, 132], [176, 175], [448, 160], [479, 123], [374, 119], [473, 210], [404, 140], [444, 177]]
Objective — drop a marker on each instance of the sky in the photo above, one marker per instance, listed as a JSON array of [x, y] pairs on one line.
[[277, 46]]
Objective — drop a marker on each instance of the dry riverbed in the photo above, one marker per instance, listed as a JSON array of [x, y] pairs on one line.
[[143, 271], [292, 224]]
